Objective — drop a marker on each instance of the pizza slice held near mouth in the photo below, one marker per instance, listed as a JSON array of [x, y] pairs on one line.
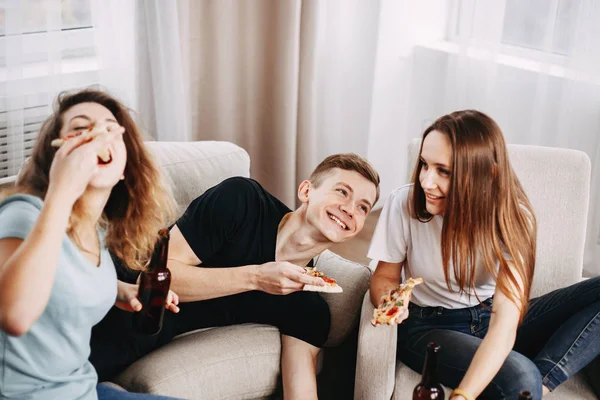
[[104, 156], [394, 303], [331, 285]]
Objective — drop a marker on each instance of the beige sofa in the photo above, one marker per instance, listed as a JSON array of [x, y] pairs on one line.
[[238, 362], [557, 181]]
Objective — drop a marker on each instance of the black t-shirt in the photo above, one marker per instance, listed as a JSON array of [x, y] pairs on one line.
[[232, 224]]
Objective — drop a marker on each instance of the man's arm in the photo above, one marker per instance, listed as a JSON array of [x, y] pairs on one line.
[[194, 283]]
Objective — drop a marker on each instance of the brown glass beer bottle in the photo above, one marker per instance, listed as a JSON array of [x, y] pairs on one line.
[[154, 289], [430, 388]]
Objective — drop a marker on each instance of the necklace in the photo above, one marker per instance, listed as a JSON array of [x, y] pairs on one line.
[[79, 244], [89, 251]]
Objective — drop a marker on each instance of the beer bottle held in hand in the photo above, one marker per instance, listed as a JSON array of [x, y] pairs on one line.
[[154, 289], [430, 388], [525, 395]]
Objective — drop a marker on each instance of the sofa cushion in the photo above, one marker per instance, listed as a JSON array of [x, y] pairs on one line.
[[241, 361], [235, 362], [354, 278]]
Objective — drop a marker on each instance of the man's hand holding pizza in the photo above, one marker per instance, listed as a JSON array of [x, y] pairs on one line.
[[282, 277]]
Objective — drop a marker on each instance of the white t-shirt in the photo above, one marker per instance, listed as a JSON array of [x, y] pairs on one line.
[[401, 238]]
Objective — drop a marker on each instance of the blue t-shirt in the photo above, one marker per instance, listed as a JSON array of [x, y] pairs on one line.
[[50, 361]]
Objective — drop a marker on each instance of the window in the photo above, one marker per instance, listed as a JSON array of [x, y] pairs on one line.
[[541, 24], [45, 46], [532, 26]]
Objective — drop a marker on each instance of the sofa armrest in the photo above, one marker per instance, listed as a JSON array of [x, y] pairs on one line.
[[376, 357], [354, 278]]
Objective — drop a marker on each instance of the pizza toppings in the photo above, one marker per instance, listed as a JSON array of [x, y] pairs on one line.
[[331, 285], [392, 304], [392, 311], [329, 280]]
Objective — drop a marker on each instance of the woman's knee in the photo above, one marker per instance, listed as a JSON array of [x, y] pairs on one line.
[[516, 374]]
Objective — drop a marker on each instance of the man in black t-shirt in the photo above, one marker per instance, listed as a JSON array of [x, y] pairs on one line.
[[238, 243], [237, 255]]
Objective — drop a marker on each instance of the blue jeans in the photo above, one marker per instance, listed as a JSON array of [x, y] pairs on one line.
[[106, 392], [560, 335]]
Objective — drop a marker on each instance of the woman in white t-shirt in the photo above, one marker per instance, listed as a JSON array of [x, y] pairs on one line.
[[467, 228], [57, 226]]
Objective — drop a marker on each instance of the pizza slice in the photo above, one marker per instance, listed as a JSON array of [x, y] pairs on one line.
[[393, 304], [331, 285], [90, 133]]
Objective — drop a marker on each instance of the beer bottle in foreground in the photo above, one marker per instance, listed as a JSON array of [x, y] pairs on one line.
[[154, 289], [430, 388]]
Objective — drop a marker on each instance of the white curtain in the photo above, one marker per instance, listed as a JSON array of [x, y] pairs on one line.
[[294, 81], [115, 45], [162, 70], [47, 46]]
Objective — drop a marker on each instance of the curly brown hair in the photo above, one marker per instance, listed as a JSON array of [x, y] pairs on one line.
[[139, 205]]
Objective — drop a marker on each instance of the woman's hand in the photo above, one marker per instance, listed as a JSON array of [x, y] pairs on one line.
[[385, 278], [172, 302], [127, 298], [403, 309], [75, 163]]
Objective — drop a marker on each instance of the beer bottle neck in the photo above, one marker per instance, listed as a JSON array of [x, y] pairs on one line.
[[160, 255], [430, 368]]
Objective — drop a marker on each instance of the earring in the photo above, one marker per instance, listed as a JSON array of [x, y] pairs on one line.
[[122, 177]]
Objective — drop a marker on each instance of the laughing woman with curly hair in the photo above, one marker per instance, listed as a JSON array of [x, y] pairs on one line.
[[67, 211]]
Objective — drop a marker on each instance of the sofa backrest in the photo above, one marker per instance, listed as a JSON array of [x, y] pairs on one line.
[[557, 182], [192, 167]]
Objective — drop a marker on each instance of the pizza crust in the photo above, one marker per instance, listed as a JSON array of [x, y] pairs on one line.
[[103, 154], [331, 285], [325, 289]]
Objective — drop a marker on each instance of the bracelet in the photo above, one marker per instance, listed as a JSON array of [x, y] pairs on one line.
[[460, 392]]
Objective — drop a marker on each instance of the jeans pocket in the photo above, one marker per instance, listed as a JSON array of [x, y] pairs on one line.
[[430, 312]]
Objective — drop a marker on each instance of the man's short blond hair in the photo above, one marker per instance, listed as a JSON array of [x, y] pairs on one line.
[[348, 162]]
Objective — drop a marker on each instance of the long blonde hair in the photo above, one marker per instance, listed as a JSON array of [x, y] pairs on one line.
[[487, 211], [138, 206]]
